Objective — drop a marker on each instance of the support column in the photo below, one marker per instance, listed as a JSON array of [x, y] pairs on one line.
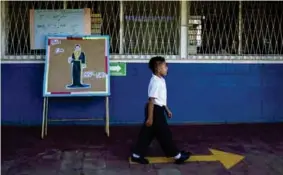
[[240, 29], [65, 4], [121, 31], [184, 30], [3, 28]]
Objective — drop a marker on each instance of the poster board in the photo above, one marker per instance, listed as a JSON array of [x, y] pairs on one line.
[[77, 66], [58, 22]]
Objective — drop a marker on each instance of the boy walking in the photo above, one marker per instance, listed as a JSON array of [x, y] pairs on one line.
[[155, 124]]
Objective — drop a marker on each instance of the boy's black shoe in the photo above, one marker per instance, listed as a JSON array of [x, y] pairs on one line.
[[184, 156], [140, 160]]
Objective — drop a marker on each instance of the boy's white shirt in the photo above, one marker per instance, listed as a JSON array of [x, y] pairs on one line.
[[157, 90]]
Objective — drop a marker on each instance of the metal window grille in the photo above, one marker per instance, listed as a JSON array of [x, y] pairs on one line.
[[17, 33], [237, 28], [262, 28], [153, 27], [218, 25]]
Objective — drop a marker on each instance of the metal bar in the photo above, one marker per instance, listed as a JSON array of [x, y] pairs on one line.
[[10, 59]]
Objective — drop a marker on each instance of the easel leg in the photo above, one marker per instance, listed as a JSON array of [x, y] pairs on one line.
[[46, 117], [107, 116], [43, 118]]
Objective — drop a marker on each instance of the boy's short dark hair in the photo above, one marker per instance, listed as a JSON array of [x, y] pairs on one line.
[[154, 62]]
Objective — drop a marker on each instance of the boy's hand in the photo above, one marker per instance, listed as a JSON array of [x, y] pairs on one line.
[[169, 113], [149, 122]]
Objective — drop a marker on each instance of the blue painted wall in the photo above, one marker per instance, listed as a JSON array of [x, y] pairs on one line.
[[199, 93]]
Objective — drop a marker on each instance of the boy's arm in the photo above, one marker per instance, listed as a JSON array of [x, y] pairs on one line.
[[152, 94], [169, 113], [167, 109], [150, 108]]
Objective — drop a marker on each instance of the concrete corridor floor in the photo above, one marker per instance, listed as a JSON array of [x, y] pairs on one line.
[[85, 150]]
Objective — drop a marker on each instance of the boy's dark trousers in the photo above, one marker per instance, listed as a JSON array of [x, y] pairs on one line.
[[159, 130]]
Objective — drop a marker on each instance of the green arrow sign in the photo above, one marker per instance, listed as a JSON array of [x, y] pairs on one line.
[[118, 69]]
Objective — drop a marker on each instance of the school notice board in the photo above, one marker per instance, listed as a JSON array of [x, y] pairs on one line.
[[57, 22], [77, 66]]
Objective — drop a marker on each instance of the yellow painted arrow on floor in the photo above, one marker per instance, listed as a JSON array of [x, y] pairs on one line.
[[228, 160]]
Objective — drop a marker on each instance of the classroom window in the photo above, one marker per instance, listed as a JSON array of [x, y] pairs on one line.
[[153, 27]]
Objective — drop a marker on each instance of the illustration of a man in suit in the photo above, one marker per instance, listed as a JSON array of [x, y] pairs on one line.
[[78, 63]]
